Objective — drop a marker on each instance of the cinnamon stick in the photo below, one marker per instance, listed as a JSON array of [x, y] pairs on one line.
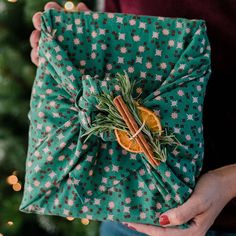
[[132, 125]]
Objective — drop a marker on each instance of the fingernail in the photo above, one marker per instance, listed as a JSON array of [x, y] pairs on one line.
[[164, 220], [125, 224]]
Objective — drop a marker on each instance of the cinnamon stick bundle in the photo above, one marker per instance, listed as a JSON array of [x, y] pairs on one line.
[[133, 127]]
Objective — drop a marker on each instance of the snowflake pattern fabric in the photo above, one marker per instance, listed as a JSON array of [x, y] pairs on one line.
[[170, 60]]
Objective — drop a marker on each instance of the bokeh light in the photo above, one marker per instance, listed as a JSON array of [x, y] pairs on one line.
[[10, 223], [12, 179], [69, 6], [85, 221], [16, 187]]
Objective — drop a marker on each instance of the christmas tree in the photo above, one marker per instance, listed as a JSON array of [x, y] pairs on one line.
[[17, 74]]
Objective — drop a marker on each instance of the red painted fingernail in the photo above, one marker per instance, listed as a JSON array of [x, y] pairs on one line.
[[164, 220]]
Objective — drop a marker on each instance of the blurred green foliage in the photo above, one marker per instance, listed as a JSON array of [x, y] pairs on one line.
[[17, 74]]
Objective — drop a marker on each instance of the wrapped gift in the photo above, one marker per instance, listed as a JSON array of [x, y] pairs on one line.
[[91, 153]]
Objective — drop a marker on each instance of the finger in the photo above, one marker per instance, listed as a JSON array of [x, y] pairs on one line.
[[82, 7], [183, 213], [54, 5], [202, 223], [152, 230], [37, 20], [34, 38], [205, 220], [34, 56]]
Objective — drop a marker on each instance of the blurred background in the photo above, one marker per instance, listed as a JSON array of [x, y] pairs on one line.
[[17, 74]]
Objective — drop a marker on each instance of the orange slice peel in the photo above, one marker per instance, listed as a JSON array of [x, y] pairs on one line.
[[124, 138]]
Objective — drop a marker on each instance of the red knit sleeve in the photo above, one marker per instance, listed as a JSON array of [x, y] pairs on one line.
[[112, 6]]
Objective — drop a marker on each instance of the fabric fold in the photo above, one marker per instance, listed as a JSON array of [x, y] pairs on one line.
[[79, 56]]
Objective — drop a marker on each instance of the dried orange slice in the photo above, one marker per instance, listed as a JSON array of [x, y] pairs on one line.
[[151, 120], [123, 138]]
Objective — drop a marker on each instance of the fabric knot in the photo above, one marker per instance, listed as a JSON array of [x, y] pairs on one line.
[[87, 103]]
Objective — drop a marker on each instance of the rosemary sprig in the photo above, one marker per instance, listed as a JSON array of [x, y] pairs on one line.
[[109, 119]]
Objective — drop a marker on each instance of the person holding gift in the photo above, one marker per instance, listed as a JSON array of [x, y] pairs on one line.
[[215, 188]]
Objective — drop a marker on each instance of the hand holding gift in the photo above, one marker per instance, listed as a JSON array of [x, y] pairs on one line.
[[35, 35]]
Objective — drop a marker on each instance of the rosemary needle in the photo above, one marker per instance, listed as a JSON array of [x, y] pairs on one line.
[[109, 119]]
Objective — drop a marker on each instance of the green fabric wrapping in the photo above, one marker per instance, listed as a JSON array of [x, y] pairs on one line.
[[80, 53]]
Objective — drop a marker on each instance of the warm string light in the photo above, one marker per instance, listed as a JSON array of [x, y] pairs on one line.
[[16, 187], [10, 223], [13, 180], [69, 6], [85, 221]]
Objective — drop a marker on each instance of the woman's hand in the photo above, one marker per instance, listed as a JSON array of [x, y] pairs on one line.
[[212, 192], [35, 35]]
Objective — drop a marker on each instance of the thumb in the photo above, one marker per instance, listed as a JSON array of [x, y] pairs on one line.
[[182, 213]]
